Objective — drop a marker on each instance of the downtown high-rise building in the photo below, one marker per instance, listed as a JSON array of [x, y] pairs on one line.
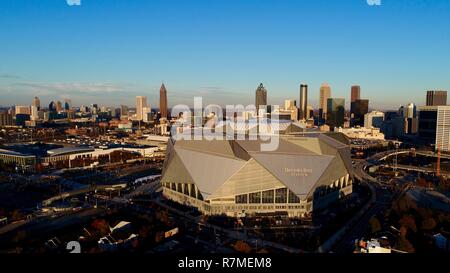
[[163, 101], [303, 106], [123, 111], [410, 111], [325, 94], [36, 103], [289, 104], [355, 93], [52, 106], [22, 109], [141, 103], [35, 107], [359, 108], [434, 126], [335, 112], [260, 97], [59, 107], [67, 104], [436, 98], [6, 119], [373, 119]]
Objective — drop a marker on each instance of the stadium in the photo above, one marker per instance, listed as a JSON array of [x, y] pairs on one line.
[[235, 178]]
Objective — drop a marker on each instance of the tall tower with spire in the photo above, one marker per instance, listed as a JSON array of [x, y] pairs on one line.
[[261, 97], [163, 101]]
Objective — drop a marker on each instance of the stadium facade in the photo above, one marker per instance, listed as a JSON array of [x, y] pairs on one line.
[[234, 177]]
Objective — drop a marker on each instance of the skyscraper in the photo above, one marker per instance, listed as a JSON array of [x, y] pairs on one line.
[[325, 93], [141, 102], [303, 106], [335, 112], [410, 111], [434, 126], [25, 110], [373, 119], [123, 111], [67, 104], [359, 109], [289, 104], [52, 107], [163, 101], [355, 93], [36, 103], [436, 98], [261, 97], [6, 119], [58, 106]]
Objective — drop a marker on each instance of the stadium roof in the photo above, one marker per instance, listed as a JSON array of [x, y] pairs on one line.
[[230, 167]]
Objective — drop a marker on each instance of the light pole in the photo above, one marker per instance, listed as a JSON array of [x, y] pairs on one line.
[[396, 159]]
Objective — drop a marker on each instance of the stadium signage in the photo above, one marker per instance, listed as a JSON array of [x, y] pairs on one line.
[[300, 172]]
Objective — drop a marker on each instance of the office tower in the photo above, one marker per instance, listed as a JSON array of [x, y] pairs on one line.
[[94, 109], [436, 98], [325, 94], [163, 101], [411, 126], [141, 102], [21, 119], [23, 110], [84, 109], [359, 109], [373, 119], [123, 111], [309, 112], [303, 106], [34, 112], [71, 114], [410, 110], [37, 103], [67, 104], [58, 106], [355, 93], [289, 104], [434, 126], [261, 97], [6, 119], [46, 116], [147, 115], [51, 111], [335, 112]]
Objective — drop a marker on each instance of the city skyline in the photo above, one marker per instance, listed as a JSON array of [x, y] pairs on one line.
[[384, 57]]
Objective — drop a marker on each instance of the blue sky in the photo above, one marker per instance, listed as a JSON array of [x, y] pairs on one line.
[[109, 51]]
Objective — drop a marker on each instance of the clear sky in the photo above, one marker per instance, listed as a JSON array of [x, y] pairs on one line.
[[109, 51]]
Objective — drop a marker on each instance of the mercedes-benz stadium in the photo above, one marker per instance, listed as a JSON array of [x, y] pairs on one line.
[[236, 178]]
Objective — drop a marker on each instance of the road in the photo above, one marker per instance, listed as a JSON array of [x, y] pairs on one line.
[[381, 199]]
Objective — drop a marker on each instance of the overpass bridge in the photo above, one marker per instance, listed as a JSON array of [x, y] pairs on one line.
[[384, 155], [426, 170], [65, 195]]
